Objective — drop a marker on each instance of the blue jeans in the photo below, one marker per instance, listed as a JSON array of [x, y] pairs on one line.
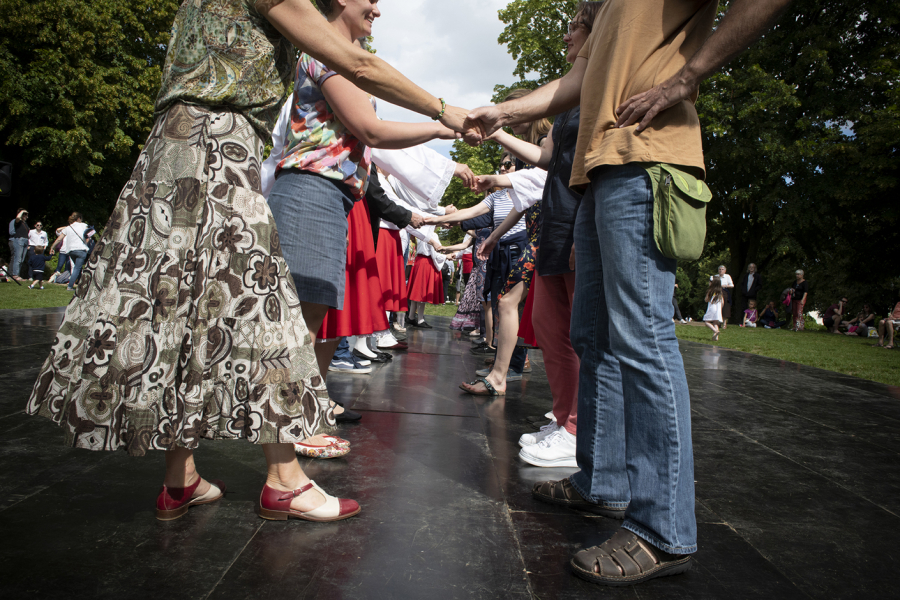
[[79, 256], [343, 351], [634, 423], [20, 248]]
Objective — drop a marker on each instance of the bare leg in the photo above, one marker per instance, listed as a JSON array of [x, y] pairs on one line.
[[314, 314], [890, 332], [488, 323], [507, 336], [284, 474], [881, 328], [182, 472]]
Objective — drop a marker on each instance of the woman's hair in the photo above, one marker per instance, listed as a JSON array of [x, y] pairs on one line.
[[720, 267], [537, 129], [715, 290], [800, 271], [74, 217], [588, 12], [325, 6]]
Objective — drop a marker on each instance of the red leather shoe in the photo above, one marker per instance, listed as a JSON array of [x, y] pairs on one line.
[[275, 505], [174, 502]]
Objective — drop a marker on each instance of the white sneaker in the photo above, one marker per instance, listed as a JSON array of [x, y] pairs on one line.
[[386, 341], [530, 439], [550, 416], [555, 450]]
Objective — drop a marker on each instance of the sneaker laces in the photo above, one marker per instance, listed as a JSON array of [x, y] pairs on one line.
[[551, 439]]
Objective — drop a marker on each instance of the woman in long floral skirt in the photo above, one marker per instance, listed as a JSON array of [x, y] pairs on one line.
[[186, 323]]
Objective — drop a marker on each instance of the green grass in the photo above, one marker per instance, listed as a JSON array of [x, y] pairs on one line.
[[844, 354], [441, 310], [14, 296]]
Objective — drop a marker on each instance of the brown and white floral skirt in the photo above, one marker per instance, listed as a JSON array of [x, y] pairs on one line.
[[186, 322]]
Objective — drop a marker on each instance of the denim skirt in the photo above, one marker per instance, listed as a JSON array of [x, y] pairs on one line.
[[311, 215]]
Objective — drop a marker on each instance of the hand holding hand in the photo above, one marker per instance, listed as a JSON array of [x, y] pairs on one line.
[[416, 220], [465, 174], [455, 119], [483, 183], [435, 243], [490, 119], [646, 105], [449, 210]]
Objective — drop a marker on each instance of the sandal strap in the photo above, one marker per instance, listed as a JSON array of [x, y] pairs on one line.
[[297, 492], [624, 555], [488, 386]]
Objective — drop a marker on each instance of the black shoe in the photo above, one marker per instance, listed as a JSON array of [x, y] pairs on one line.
[[423, 325], [483, 350], [348, 416], [378, 358], [387, 356]]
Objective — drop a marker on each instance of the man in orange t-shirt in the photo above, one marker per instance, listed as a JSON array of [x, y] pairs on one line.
[[636, 80]]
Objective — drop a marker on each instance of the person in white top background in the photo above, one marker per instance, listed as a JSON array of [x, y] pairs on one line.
[[74, 246], [727, 287], [37, 238]]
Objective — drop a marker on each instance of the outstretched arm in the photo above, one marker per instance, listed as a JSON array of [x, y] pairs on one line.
[[532, 154], [743, 24], [548, 100], [306, 29], [508, 223], [458, 216]]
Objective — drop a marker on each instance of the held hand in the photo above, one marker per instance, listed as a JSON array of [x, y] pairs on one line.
[[435, 243], [465, 174], [484, 251], [449, 210], [431, 220], [646, 105], [416, 221], [455, 118], [483, 183], [490, 119]]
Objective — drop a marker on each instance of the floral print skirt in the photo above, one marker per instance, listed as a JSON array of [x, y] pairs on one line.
[[185, 322]]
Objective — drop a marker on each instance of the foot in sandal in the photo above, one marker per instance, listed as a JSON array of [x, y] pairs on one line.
[[626, 559], [173, 503], [308, 502]]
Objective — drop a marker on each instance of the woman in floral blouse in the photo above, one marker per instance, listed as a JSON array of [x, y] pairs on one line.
[[186, 322]]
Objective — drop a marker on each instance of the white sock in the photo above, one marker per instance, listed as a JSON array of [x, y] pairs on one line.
[[400, 319], [363, 346]]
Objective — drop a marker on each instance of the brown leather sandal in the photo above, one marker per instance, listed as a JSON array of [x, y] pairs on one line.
[[563, 494], [626, 559]]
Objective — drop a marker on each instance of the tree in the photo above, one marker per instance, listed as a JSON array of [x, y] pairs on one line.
[[79, 80]]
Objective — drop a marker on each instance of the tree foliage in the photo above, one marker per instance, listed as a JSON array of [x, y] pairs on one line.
[[78, 84]]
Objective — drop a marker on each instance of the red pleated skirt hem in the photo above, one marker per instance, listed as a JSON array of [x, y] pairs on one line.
[[391, 270], [425, 282]]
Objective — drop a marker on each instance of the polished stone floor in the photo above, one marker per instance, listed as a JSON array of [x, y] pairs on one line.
[[798, 493]]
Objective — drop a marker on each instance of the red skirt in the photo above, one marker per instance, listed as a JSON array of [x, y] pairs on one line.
[[391, 270], [363, 312], [526, 329], [467, 263], [425, 282]]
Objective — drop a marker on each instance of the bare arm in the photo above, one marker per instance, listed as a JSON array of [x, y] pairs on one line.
[[743, 24], [306, 29], [548, 100], [488, 246], [459, 216], [485, 182], [538, 156], [352, 107]]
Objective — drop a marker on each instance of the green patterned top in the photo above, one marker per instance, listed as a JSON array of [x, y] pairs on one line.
[[224, 53]]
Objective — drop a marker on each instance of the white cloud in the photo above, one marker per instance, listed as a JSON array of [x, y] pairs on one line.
[[448, 48]]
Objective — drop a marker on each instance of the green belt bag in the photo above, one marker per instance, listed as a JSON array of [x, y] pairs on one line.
[[679, 211]]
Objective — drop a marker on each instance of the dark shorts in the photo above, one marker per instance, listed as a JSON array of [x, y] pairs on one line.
[[311, 215]]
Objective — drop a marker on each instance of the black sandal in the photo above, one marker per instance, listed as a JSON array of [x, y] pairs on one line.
[[626, 559], [562, 493], [489, 389]]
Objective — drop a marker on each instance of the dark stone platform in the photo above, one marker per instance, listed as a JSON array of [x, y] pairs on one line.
[[798, 492]]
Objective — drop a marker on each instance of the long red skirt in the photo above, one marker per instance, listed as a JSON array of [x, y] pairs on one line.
[[425, 282], [363, 312], [391, 270]]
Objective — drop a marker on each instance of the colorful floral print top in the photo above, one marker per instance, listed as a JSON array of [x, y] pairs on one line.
[[316, 141], [224, 53], [524, 268]]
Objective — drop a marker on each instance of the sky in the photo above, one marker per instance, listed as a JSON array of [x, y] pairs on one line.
[[448, 48]]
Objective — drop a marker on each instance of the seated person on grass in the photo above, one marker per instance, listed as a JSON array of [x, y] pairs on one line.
[[861, 323], [887, 326], [750, 315], [832, 319], [769, 317]]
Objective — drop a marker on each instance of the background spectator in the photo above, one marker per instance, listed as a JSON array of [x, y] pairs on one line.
[[749, 285], [861, 323], [18, 233], [74, 246], [727, 287], [887, 326], [799, 296], [37, 238], [750, 315], [834, 315], [769, 317]]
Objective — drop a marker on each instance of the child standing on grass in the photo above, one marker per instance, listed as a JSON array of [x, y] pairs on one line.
[[714, 297], [37, 263], [750, 315]]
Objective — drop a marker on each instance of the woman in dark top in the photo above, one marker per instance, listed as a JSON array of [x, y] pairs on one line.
[[799, 292]]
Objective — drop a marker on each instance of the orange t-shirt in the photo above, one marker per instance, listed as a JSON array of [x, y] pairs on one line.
[[636, 45]]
